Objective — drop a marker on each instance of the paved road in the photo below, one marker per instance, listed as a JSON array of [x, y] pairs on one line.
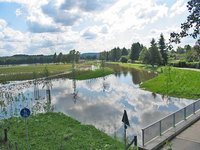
[[188, 139]]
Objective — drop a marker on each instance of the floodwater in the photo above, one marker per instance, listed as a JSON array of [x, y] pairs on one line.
[[99, 102]]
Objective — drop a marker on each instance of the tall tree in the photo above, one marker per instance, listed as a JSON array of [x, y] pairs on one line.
[[144, 56], [155, 56], [54, 57], [163, 49], [191, 25], [124, 51], [59, 57], [135, 51], [115, 54], [187, 48]]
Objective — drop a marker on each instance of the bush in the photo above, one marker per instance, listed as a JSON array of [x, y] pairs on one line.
[[124, 59], [184, 64]]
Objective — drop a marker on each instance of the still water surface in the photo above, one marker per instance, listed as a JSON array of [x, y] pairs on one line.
[[100, 102]]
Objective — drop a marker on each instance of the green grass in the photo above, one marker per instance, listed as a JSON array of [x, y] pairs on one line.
[[55, 131], [136, 66], [39, 68], [175, 82], [89, 74], [12, 73]]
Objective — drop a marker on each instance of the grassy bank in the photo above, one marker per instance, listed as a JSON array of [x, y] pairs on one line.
[[55, 131], [175, 82], [136, 66], [89, 74]]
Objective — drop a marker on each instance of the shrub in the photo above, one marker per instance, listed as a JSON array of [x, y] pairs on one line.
[[124, 59]]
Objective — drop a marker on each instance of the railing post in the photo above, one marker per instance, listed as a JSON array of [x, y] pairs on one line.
[[160, 127], [194, 108], [174, 120], [185, 113], [143, 137]]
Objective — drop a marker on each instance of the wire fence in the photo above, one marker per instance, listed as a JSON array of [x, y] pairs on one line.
[[161, 126]]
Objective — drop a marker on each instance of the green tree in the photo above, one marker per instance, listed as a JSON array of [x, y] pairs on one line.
[[187, 48], [74, 56], [144, 56], [163, 49], [135, 51], [54, 57], [155, 56], [59, 57], [180, 50], [191, 25], [115, 54], [124, 59], [124, 51]]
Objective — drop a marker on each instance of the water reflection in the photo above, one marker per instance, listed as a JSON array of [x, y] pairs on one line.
[[99, 102], [138, 76]]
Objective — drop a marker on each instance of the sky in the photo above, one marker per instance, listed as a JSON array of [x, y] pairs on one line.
[[48, 26]]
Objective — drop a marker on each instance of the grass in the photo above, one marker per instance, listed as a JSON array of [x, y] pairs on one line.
[[38, 68], [89, 74], [136, 66], [15, 73], [12, 73], [55, 131], [175, 82]]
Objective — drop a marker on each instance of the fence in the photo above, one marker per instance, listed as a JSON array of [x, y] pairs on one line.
[[161, 126]]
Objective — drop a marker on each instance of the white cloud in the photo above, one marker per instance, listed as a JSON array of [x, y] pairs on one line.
[[3, 24], [18, 12], [89, 25], [178, 8]]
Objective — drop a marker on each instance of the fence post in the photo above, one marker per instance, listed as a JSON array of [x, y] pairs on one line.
[[160, 127], [135, 141], [194, 108], [143, 137], [185, 113], [174, 120], [5, 135]]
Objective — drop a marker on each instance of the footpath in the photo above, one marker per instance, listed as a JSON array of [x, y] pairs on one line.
[[187, 140]]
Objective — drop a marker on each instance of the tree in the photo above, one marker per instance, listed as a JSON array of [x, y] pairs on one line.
[[180, 50], [155, 56], [124, 51], [54, 57], [102, 55], [115, 54], [163, 50], [74, 56], [135, 51], [124, 59], [191, 24], [59, 57], [187, 48], [144, 56]]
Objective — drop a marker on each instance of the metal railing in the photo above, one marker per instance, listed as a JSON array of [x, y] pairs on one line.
[[159, 127]]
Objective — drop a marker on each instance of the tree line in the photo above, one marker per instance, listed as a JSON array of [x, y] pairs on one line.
[[73, 55], [156, 54]]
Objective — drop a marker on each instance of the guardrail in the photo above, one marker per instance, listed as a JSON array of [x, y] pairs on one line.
[[161, 126]]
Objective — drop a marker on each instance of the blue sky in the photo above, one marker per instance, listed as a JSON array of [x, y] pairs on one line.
[[49, 26]]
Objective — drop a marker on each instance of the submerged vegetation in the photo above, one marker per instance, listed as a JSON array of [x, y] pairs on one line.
[[13, 73], [55, 131]]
